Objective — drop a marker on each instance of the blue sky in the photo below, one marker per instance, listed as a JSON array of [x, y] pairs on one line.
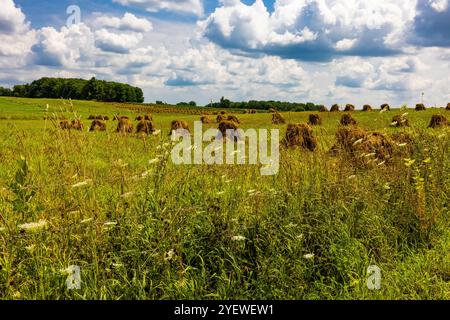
[[324, 51]]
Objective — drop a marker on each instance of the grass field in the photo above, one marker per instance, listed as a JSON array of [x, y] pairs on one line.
[[141, 228]]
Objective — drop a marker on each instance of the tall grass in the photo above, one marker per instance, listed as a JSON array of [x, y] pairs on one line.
[[141, 230]]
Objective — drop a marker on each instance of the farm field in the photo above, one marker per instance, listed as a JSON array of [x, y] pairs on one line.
[[140, 227]]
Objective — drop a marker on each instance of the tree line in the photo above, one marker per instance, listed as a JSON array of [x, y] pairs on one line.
[[79, 89], [265, 105]]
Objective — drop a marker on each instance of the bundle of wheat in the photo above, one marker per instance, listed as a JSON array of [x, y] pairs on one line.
[[315, 120], [205, 119], [178, 124], [385, 107], [438, 121], [77, 125], [300, 135], [121, 118], [334, 108], [145, 126], [97, 125], [234, 119], [400, 121], [349, 108], [220, 118], [347, 120], [64, 124], [361, 147], [323, 109], [229, 129], [367, 107], [124, 126], [420, 107], [277, 118]]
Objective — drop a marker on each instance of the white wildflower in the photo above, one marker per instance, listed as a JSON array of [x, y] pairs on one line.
[[156, 132], [309, 256], [238, 238], [170, 255]]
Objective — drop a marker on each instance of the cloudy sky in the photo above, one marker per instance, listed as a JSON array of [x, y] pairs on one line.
[[323, 51]]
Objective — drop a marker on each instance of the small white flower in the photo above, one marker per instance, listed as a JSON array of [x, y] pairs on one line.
[[238, 238], [34, 226], [170, 255], [309, 256], [156, 132]]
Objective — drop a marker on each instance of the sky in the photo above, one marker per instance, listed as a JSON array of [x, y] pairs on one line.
[[321, 51]]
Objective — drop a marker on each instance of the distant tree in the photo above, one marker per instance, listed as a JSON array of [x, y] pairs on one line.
[[193, 103], [225, 103], [92, 89], [6, 92]]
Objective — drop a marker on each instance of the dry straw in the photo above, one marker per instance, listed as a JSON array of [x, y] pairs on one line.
[[300, 135], [438, 121]]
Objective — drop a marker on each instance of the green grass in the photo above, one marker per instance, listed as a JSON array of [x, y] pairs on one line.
[[393, 216]]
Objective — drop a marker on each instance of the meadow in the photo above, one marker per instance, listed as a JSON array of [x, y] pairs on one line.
[[140, 227]]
